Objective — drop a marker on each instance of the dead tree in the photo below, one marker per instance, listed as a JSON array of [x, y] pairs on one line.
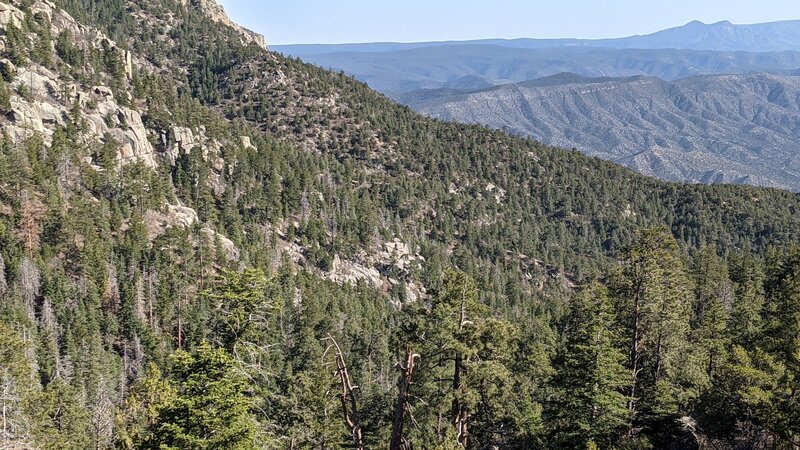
[[460, 415], [347, 397], [30, 216], [402, 407]]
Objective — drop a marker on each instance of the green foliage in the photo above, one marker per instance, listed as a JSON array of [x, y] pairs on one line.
[[61, 419], [235, 299], [210, 410], [25, 93], [745, 389], [137, 417], [5, 97], [654, 302], [508, 349], [465, 368], [592, 409]]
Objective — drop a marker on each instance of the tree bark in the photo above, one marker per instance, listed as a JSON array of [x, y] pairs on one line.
[[404, 393], [348, 398], [459, 411]]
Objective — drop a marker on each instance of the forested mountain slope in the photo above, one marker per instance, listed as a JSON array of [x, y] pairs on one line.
[[711, 129], [189, 223]]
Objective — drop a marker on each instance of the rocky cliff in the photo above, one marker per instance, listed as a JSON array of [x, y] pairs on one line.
[[41, 99], [217, 13]]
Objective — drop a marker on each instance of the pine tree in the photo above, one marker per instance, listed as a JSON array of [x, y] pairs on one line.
[[235, 299], [592, 406], [654, 299], [743, 405], [139, 413], [5, 97], [713, 299], [61, 420], [746, 322], [210, 410], [30, 215], [16, 389], [783, 338], [464, 362]]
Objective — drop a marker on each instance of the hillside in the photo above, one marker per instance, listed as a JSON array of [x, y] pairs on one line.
[[725, 128], [196, 233]]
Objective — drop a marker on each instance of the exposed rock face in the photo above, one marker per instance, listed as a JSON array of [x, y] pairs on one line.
[[217, 13], [184, 140], [351, 273], [10, 15], [158, 222], [47, 107], [48, 99], [399, 255]]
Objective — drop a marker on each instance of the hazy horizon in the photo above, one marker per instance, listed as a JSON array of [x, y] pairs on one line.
[[320, 22]]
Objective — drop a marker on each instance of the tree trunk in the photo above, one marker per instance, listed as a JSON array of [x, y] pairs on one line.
[[635, 355], [404, 393], [459, 411], [348, 398]]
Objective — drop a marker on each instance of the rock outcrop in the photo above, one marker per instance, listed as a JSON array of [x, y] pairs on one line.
[[158, 222], [10, 16], [46, 107], [42, 100], [217, 13]]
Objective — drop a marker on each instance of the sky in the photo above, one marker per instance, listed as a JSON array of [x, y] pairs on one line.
[[345, 21]]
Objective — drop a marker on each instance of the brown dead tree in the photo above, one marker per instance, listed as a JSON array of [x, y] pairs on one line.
[[347, 396], [402, 407], [460, 415]]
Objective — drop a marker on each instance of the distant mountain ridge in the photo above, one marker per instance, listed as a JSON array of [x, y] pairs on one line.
[[689, 50], [695, 35], [724, 128], [398, 72]]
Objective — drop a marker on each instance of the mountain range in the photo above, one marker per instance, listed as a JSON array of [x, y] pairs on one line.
[[720, 128], [397, 72], [693, 49], [207, 245], [695, 35], [652, 102]]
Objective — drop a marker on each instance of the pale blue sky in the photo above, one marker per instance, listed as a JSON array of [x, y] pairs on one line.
[[340, 21]]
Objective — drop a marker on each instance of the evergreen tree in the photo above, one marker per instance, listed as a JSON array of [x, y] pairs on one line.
[[235, 298], [743, 405], [210, 410], [746, 321], [592, 406], [653, 293], [783, 338], [464, 358], [713, 298]]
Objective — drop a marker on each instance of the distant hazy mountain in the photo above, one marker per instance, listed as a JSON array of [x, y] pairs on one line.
[[695, 35], [693, 49], [398, 72], [724, 128], [721, 36]]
